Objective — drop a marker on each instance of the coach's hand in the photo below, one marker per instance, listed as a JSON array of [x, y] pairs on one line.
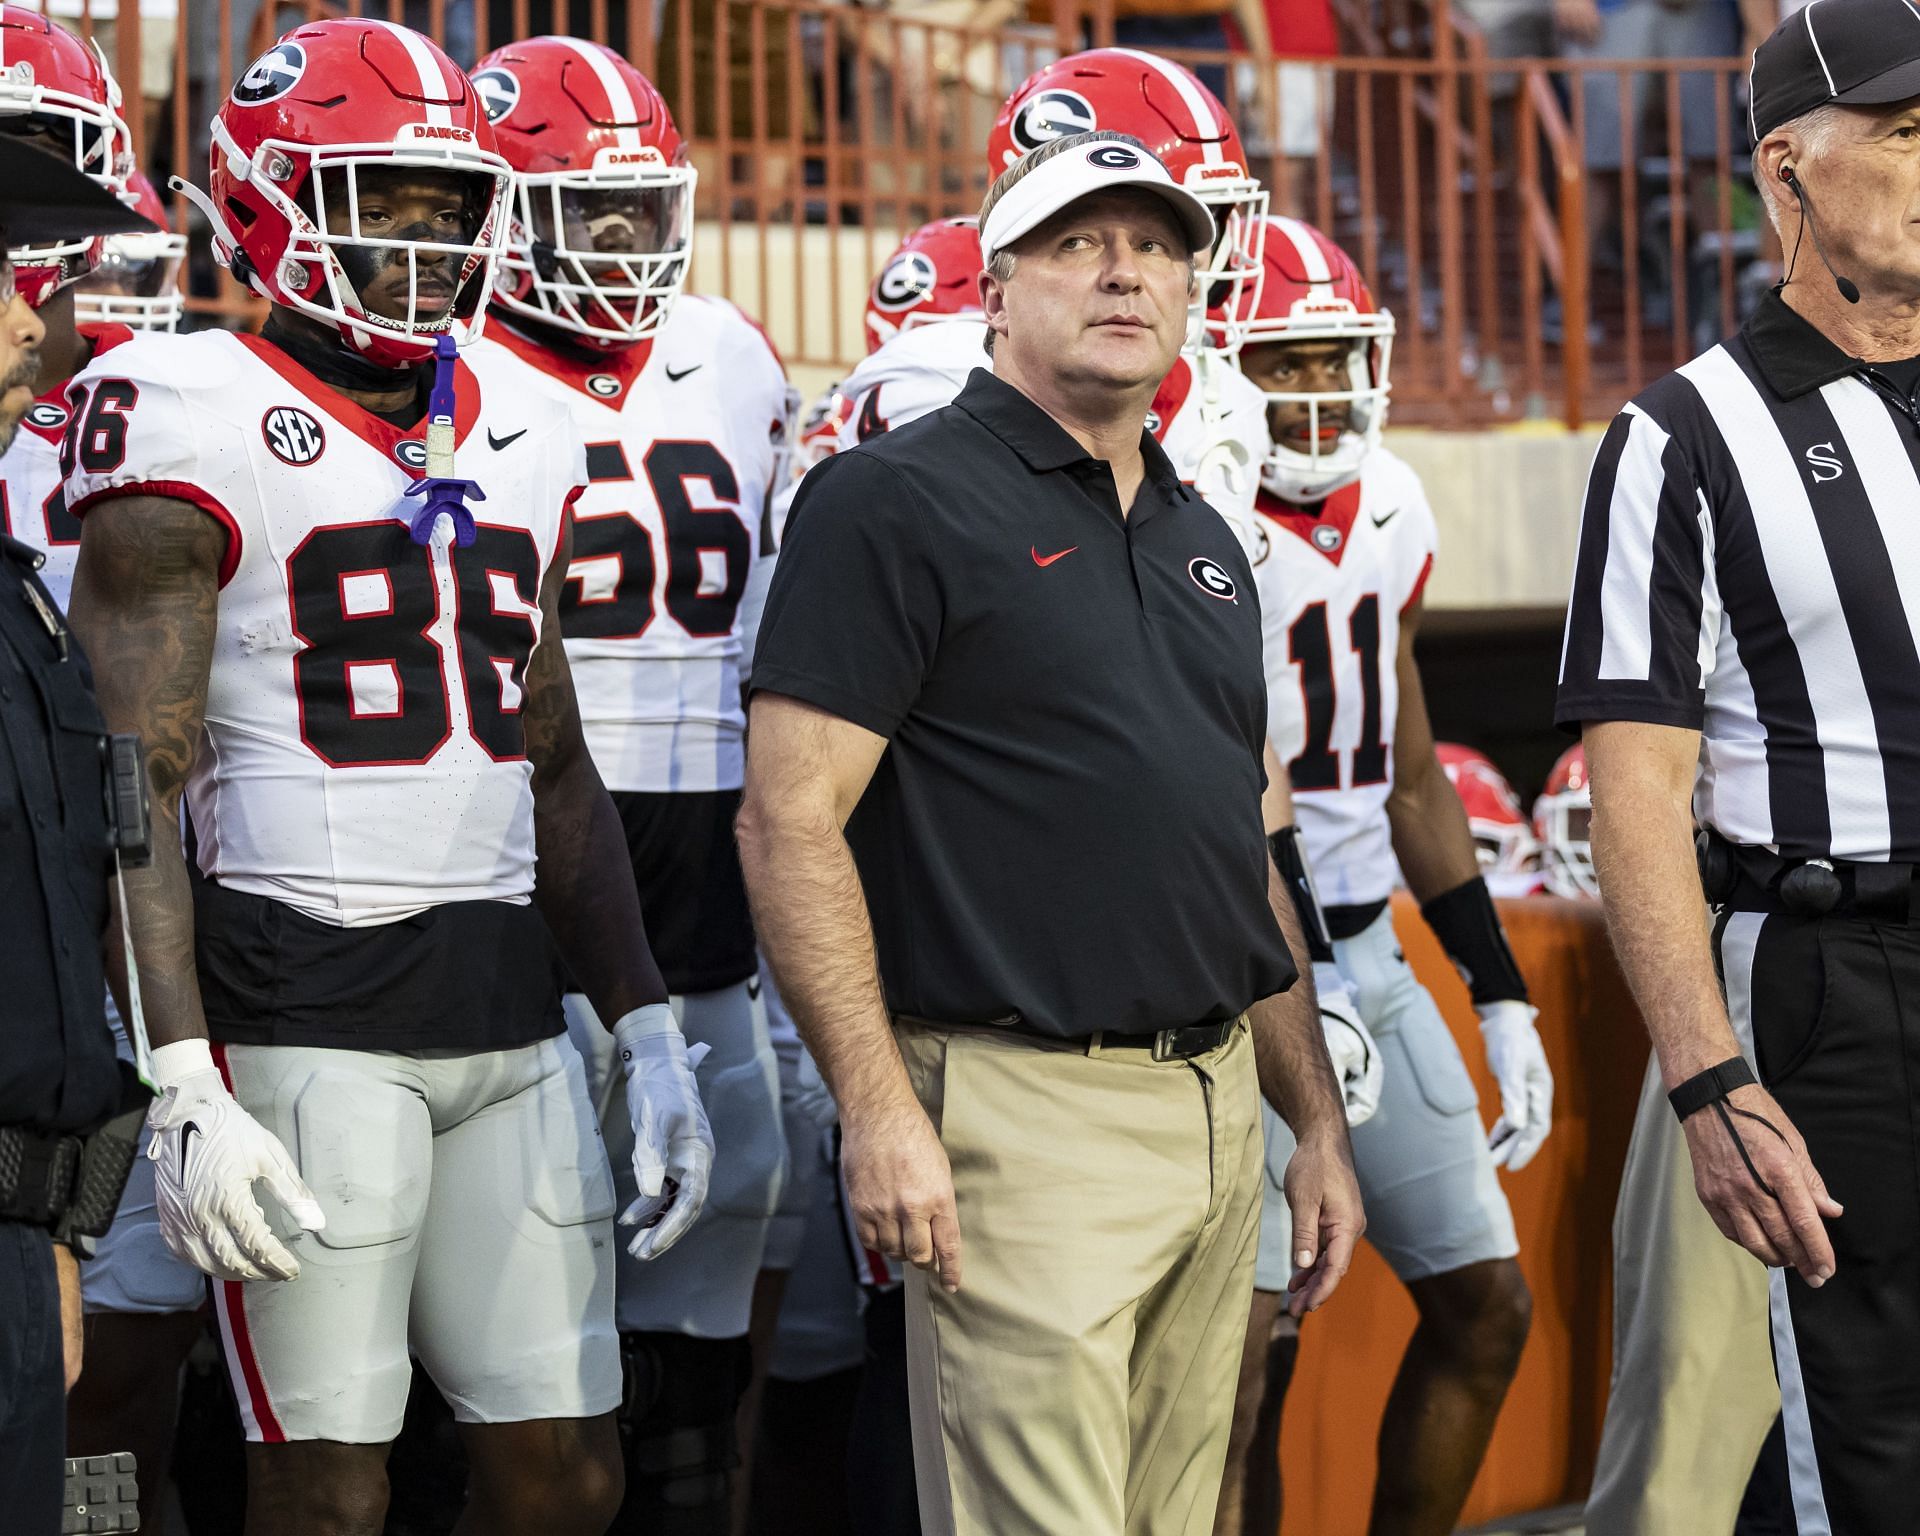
[[1784, 1229], [1324, 1197], [207, 1153], [672, 1141], [900, 1188]]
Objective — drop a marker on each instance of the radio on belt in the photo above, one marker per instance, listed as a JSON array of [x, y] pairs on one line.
[[129, 828]]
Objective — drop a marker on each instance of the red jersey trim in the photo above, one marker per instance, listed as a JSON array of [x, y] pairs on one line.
[[356, 418], [1170, 396], [1338, 512], [176, 490], [624, 364], [1419, 583]]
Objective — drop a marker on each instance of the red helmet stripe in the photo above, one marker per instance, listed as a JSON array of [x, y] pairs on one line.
[[435, 88], [1208, 129], [622, 109], [1313, 260]]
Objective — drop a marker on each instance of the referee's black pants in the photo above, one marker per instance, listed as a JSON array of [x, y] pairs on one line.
[[1833, 1006]]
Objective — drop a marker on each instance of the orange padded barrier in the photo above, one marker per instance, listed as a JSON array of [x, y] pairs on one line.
[[1543, 1448]]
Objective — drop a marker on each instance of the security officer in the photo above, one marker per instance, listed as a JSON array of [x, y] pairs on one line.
[[68, 1113]]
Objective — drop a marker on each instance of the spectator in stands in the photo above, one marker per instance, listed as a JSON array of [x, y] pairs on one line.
[[1514, 29], [1291, 100], [1174, 26]]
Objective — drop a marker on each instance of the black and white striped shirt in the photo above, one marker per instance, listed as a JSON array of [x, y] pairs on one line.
[[1749, 567]]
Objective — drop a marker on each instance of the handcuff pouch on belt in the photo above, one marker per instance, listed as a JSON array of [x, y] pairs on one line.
[[71, 1184]]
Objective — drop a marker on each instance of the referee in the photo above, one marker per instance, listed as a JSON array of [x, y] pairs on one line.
[[1002, 832], [1743, 647]]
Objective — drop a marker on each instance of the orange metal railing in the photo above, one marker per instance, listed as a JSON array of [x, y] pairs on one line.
[[1460, 183]]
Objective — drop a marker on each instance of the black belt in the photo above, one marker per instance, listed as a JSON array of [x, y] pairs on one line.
[[1750, 879], [38, 1174], [1180, 1043]]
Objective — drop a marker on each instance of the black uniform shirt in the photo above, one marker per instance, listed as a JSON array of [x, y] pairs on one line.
[[1065, 830], [57, 1068]]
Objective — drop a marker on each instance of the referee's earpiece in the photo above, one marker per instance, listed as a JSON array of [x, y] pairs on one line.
[[1848, 290]]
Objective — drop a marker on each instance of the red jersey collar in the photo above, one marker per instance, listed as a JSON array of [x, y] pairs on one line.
[[1311, 524], [606, 376], [355, 417]]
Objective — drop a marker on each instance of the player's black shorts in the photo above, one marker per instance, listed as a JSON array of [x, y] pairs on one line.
[[692, 894], [468, 975]]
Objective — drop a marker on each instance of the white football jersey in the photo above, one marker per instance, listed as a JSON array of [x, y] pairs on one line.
[[1332, 589], [33, 500], [671, 543], [364, 756], [1210, 419]]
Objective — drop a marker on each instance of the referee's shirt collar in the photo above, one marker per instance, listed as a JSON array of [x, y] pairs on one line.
[[1793, 353], [1043, 443]]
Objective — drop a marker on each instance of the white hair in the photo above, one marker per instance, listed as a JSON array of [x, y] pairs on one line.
[[1815, 130]]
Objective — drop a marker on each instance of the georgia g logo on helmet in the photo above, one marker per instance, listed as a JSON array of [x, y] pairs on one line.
[[1052, 115], [499, 91], [272, 75], [906, 280]]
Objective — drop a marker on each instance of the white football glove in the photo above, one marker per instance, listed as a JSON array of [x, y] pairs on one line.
[[1356, 1058], [672, 1141], [1518, 1062], [207, 1152]]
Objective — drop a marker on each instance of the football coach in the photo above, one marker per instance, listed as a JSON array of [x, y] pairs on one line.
[[1743, 649], [1002, 834]]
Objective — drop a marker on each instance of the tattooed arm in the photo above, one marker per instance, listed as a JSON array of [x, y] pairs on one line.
[[585, 886], [144, 602]]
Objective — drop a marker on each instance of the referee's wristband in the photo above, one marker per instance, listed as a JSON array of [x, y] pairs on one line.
[[1707, 1087]]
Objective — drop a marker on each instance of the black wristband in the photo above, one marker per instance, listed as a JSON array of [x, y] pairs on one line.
[[1468, 928], [1291, 860], [1710, 1086]]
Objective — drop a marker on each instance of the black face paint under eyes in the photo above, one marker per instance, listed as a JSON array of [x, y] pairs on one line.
[[364, 264]]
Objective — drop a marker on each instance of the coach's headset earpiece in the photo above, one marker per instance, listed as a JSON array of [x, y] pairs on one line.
[[1845, 285]]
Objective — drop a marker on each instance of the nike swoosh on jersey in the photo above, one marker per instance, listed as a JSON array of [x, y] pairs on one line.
[[675, 378], [497, 443], [1381, 522]]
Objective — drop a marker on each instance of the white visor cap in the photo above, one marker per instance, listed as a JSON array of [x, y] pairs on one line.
[[1103, 165]]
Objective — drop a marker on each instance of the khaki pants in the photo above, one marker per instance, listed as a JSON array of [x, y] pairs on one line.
[[1693, 1388], [1081, 1382]]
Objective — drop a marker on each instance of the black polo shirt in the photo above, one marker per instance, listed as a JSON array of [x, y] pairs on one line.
[[1065, 830], [57, 1067]]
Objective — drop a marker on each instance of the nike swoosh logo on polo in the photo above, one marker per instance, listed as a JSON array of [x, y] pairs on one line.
[[675, 378], [1381, 522], [1043, 561], [497, 443]]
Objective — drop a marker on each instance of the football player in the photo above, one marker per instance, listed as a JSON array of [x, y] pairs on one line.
[[1210, 421], [1563, 824], [142, 1304], [1509, 853], [686, 413], [1349, 543], [137, 283], [320, 575]]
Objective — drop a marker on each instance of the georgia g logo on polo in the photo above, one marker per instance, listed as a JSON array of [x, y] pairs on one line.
[[1211, 577]]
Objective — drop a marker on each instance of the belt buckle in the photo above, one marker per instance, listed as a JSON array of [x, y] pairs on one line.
[[1167, 1043], [1163, 1045]]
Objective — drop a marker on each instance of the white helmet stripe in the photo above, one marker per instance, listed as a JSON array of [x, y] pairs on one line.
[[433, 79], [1207, 124], [620, 102], [1313, 260]]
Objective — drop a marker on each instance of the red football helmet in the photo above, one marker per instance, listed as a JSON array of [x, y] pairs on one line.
[[1312, 291], [1563, 821], [57, 90], [603, 193], [138, 280], [820, 430], [933, 276], [328, 101], [1164, 105], [1501, 836]]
